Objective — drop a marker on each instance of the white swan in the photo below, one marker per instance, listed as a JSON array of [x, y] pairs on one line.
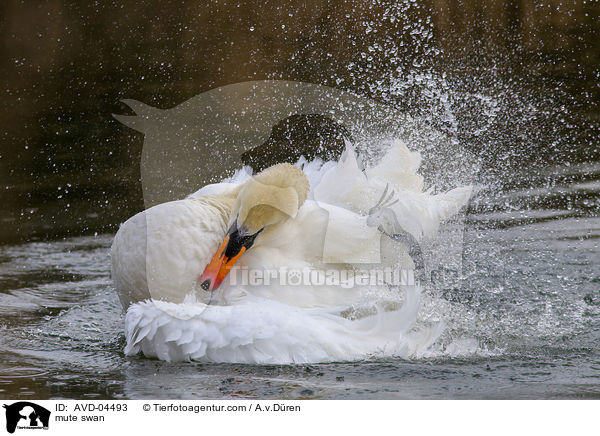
[[170, 264]]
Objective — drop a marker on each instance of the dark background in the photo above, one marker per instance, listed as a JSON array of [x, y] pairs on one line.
[[67, 167]]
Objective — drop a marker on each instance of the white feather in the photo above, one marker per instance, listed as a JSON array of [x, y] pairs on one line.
[[258, 330], [158, 255]]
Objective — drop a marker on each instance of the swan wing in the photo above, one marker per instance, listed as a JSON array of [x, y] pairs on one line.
[[262, 331], [160, 252]]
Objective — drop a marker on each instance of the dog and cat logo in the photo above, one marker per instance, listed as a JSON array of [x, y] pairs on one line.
[[26, 415]]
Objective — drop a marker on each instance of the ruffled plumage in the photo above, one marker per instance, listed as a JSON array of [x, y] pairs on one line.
[[158, 255]]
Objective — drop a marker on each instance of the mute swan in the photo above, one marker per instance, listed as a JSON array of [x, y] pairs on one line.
[[170, 264]]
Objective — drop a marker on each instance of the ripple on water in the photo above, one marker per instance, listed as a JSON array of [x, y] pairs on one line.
[[16, 372]]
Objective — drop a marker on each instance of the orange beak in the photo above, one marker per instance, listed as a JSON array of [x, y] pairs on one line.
[[232, 248], [219, 266]]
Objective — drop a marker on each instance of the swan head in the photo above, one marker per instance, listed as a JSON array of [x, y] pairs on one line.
[[267, 199]]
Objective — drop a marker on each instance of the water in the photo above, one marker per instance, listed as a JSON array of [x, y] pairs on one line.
[[514, 87], [524, 323]]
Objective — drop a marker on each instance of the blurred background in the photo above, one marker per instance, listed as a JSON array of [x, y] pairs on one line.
[[516, 81]]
